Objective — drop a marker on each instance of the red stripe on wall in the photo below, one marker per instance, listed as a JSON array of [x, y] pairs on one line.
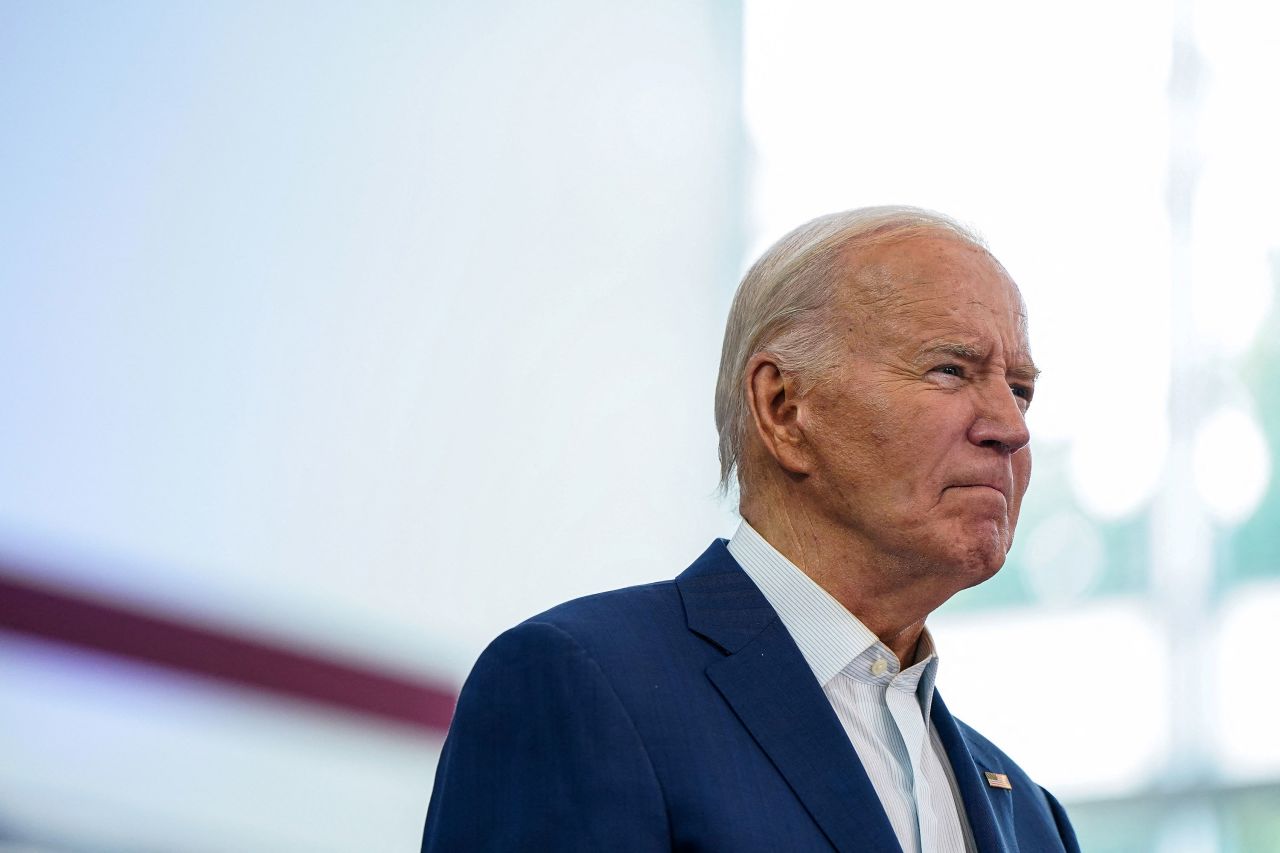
[[153, 638]]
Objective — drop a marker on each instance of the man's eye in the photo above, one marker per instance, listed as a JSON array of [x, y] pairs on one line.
[[950, 370], [1024, 392]]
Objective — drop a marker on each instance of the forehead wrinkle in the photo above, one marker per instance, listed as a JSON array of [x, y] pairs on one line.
[[897, 308], [897, 304], [875, 297]]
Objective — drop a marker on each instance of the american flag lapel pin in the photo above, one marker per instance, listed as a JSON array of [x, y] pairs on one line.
[[998, 780]]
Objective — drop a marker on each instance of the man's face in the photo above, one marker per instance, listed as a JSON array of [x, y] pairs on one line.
[[919, 436]]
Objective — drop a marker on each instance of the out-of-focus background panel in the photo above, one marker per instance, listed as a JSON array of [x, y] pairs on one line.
[[322, 331]]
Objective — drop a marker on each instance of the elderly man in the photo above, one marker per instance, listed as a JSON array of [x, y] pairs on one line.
[[778, 695]]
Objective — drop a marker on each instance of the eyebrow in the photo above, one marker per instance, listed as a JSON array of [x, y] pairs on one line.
[[965, 352], [1025, 371]]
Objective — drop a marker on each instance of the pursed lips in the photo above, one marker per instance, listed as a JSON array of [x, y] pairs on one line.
[[1002, 488]]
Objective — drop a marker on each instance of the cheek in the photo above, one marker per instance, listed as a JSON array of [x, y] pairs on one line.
[[1022, 467], [1021, 477]]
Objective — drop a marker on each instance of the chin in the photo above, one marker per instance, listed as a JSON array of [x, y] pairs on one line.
[[979, 559], [980, 569]]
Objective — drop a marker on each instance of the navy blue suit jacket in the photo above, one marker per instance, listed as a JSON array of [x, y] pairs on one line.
[[682, 716]]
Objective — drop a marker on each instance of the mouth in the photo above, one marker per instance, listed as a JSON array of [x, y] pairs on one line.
[[984, 487]]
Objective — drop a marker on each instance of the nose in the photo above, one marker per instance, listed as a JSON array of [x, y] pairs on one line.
[[999, 422]]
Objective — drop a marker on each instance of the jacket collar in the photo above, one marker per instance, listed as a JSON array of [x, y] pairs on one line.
[[771, 688], [767, 682], [990, 809]]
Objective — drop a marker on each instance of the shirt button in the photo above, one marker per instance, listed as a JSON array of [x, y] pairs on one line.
[[879, 667]]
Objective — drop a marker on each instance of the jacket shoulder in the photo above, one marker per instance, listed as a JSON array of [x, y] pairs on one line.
[[590, 612], [659, 619], [542, 752]]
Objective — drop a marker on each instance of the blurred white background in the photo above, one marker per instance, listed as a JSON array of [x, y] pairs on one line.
[[370, 331]]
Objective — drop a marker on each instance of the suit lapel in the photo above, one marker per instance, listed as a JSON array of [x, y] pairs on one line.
[[990, 810], [771, 688]]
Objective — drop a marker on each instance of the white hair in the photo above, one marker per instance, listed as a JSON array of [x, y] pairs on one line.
[[782, 306]]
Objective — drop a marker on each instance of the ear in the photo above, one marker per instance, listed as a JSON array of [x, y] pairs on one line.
[[776, 410]]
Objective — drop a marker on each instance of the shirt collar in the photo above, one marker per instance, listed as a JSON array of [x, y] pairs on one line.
[[828, 635]]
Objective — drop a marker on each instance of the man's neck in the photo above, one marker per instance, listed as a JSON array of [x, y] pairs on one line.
[[888, 599]]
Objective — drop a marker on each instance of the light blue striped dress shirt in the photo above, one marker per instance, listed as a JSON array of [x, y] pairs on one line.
[[884, 711]]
